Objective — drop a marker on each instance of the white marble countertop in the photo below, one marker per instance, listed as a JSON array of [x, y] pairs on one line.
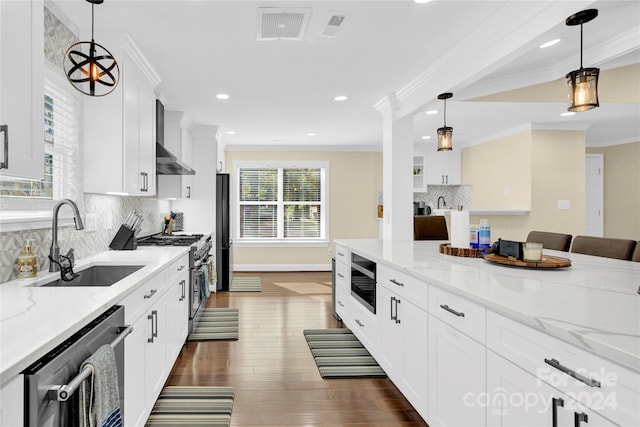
[[33, 320], [593, 304]]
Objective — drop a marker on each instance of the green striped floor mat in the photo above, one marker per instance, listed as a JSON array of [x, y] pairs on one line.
[[193, 406], [216, 324], [245, 284], [339, 354]]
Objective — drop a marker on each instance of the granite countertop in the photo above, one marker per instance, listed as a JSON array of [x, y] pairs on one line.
[[593, 304], [33, 320]]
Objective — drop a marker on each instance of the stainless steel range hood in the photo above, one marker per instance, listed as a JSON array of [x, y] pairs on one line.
[[166, 162]]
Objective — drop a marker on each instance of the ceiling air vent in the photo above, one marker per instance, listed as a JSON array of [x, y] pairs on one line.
[[335, 22], [276, 23]]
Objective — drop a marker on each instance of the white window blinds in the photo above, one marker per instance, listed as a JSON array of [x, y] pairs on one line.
[[281, 203]]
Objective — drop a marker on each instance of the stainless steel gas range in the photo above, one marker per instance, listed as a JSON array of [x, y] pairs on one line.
[[200, 246]]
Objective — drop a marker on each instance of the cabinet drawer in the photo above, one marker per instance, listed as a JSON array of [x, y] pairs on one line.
[[179, 266], [458, 312], [601, 385], [343, 277], [364, 325], [343, 302], [343, 255], [138, 302], [405, 286]]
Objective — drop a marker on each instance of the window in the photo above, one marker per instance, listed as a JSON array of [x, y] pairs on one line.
[[282, 202], [60, 138]]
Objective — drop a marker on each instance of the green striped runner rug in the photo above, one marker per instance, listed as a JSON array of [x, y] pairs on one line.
[[245, 284], [216, 324], [193, 406], [339, 354]]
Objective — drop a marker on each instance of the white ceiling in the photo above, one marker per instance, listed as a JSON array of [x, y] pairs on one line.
[[281, 90]]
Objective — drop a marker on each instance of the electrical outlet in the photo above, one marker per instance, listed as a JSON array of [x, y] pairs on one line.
[[91, 222], [564, 204], [330, 250]]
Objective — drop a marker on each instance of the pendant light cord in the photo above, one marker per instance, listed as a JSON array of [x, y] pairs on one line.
[[92, 19], [581, 25], [445, 112]]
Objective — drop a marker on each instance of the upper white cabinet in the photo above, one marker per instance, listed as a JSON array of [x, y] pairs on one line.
[[119, 128], [22, 88], [178, 140], [443, 167]]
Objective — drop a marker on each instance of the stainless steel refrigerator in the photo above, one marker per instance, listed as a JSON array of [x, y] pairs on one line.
[[223, 232]]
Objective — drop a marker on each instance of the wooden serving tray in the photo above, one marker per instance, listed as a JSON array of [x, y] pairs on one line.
[[547, 261], [445, 248]]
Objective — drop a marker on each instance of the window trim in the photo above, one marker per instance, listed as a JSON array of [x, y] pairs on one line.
[[17, 214], [279, 242]]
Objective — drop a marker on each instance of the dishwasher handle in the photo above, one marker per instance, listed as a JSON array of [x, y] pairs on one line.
[[62, 393]]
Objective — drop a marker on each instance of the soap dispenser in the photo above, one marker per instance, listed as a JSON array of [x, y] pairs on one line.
[[27, 262]]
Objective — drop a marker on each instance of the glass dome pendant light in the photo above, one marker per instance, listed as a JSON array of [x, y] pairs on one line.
[[90, 68], [582, 83], [445, 133]]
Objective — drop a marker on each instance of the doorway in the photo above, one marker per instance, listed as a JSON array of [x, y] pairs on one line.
[[594, 195]]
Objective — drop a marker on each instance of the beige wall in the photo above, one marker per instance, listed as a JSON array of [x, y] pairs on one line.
[[621, 190], [539, 168], [354, 181]]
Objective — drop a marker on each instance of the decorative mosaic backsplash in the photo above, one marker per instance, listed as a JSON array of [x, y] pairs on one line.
[[454, 196], [110, 210]]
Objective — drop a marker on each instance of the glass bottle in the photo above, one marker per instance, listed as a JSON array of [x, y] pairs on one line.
[[27, 262]]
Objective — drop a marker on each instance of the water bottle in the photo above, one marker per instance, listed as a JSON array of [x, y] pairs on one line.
[[484, 238], [473, 236]]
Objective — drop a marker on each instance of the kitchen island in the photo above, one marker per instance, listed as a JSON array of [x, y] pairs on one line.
[[489, 327]]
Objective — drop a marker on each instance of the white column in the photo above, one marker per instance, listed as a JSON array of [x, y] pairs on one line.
[[397, 184]]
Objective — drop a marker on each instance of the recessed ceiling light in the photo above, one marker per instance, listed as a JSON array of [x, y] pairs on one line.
[[430, 112], [425, 137], [231, 132], [311, 134], [421, 1], [549, 43], [567, 113], [222, 96], [340, 98]]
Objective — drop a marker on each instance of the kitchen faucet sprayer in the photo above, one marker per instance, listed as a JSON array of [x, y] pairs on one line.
[[55, 259], [444, 204]]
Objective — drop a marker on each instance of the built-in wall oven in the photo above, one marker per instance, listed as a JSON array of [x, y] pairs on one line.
[[363, 281]]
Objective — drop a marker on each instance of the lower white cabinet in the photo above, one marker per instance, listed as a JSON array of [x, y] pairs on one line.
[[178, 308], [456, 377], [402, 352], [364, 325], [516, 398], [12, 402]]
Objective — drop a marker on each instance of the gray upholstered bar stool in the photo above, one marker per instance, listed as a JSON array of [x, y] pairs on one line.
[[430, 228], [636, 253], [553, 241], [604, 247]]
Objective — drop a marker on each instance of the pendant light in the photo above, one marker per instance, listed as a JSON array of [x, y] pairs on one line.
[[582, 83], [445, 133], [90, 68]]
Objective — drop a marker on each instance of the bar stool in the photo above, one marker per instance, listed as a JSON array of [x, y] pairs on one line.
[[553, 241], [604, 247], [430, 228]]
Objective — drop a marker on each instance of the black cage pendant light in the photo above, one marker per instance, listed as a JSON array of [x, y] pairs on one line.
[[582, 83], [89, 67], [445, 133]]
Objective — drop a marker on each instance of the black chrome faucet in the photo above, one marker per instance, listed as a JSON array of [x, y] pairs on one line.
[[55, 259], [444, 204]]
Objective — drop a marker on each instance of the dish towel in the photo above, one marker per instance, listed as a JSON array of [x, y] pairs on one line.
[[213, 275], [99, 396], [205, 283]]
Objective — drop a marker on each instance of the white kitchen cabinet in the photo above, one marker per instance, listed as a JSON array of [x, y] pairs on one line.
[[178, 140], [12, 402], [444, 167], [22, 88], [419, 173], [119, 128], [517, 398], [178, 306], [402, 351], [364, 325], [456, 376]]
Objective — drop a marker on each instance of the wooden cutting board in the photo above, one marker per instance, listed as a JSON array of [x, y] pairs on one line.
[[546, 262]]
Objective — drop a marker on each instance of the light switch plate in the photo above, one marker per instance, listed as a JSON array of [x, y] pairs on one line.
[[564, 204], [91, 222]]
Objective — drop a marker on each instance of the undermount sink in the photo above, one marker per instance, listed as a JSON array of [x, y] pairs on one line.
[[98, 275]]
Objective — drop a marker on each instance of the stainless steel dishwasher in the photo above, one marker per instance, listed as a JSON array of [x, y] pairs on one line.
[[51, 382]]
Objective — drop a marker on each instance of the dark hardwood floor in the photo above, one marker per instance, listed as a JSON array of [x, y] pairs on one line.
[[272, 370]]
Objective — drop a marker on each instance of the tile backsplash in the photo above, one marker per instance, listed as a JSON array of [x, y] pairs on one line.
[[454, 196], [110, 211]]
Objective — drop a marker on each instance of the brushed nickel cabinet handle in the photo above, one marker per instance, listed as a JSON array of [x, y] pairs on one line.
[[451, 310], [588, 381], [5, 162]]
